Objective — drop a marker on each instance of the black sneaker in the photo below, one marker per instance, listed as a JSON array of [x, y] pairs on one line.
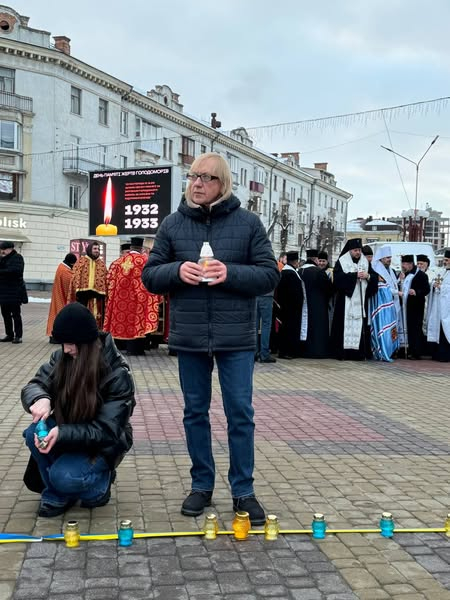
[[269, 359], [7, 338], [251, 505], [196, 503], [49, 511]]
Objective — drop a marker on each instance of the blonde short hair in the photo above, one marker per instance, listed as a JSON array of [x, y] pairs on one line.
[[221, 170]]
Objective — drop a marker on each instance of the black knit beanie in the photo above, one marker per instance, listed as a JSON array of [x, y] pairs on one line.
[[75, 324]]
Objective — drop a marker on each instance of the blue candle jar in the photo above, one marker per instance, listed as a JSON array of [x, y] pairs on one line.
[[125, 533], [318, 526], [387, 525], [41, 432]]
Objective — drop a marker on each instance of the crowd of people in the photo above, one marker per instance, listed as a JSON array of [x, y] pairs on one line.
[[220, 316], [116, 296], [360, 309]]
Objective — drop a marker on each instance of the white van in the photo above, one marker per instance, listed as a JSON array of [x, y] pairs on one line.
[[401, 248]]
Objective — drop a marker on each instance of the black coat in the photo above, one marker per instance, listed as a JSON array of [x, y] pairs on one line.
[[415, 307], [12, 285], [318, 293], [212, 318], [289, 295], [110, 433]]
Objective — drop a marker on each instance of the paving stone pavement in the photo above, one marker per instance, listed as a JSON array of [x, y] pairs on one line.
[[350, 440]]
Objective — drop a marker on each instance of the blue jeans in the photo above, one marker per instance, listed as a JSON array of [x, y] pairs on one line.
[[70, 476], [264, 314], [236, 382]]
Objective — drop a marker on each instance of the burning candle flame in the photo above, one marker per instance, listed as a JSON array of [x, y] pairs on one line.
[[108, 202]]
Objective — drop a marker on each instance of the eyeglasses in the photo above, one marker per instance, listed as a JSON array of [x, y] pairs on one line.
[[203, 176]]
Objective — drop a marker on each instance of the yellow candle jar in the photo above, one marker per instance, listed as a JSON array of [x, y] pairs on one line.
[[210, 527], [72, 534], [241, 525]]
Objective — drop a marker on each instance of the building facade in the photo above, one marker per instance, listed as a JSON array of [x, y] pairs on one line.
[[61, 118], [374, 230]]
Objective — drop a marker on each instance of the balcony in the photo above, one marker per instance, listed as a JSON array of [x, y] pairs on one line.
[[301, 203], [74, 164], [185, 159], [154, 147], [257, 187], [16, 102]]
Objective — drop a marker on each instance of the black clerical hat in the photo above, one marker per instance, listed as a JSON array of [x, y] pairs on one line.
[[352, 244], [409, 258], [423, 258], [138, 242], [312, 254], [367, 251], [447, 254], [323, 255], [292, 255]]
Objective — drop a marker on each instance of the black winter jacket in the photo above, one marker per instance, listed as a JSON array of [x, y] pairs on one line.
[[110, 433], [12, 285], [220, 317]]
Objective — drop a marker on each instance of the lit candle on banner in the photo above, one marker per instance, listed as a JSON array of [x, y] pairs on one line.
[[106, 228]]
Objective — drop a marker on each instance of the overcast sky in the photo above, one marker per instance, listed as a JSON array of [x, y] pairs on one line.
[[259, 62]]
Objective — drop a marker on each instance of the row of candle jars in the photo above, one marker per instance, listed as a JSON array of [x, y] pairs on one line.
[[241, 526], [125, 533]]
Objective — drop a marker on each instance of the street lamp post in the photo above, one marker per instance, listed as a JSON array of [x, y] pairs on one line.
[[416, 164]]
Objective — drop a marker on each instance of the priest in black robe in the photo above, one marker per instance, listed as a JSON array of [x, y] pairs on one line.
[[318, 289], [354, 282], [289, 296], [414, 287]]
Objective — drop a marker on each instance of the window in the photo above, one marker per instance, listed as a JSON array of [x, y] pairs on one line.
[[7, 77], [150, 131], [75, 100], [123, 162], [275, 180], [167, 149], [326, 201], [137, 127], [75, 197], [203, 149], [123, 122], [187, 146], [234, 164], [320, 199], [102, 111], [243, 180], [260, 175], [264, 208], [293, 194], [10, 135], [8, 186]]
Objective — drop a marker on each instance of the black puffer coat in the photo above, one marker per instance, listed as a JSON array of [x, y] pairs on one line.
[[220, 317], [110, 433], [12, 285]]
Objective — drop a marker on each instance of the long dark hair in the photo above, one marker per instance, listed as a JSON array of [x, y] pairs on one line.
[[76, 381]]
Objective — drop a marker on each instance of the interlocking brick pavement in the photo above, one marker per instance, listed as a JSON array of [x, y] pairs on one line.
[[347, 439]]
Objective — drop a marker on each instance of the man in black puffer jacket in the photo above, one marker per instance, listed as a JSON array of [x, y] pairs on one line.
[[13, 292], [214, 320]]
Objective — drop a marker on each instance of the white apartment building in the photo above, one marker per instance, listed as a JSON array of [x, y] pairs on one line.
[[61, 118]]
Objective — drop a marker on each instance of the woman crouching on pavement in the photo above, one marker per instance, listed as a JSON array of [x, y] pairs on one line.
[[85, 394]]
